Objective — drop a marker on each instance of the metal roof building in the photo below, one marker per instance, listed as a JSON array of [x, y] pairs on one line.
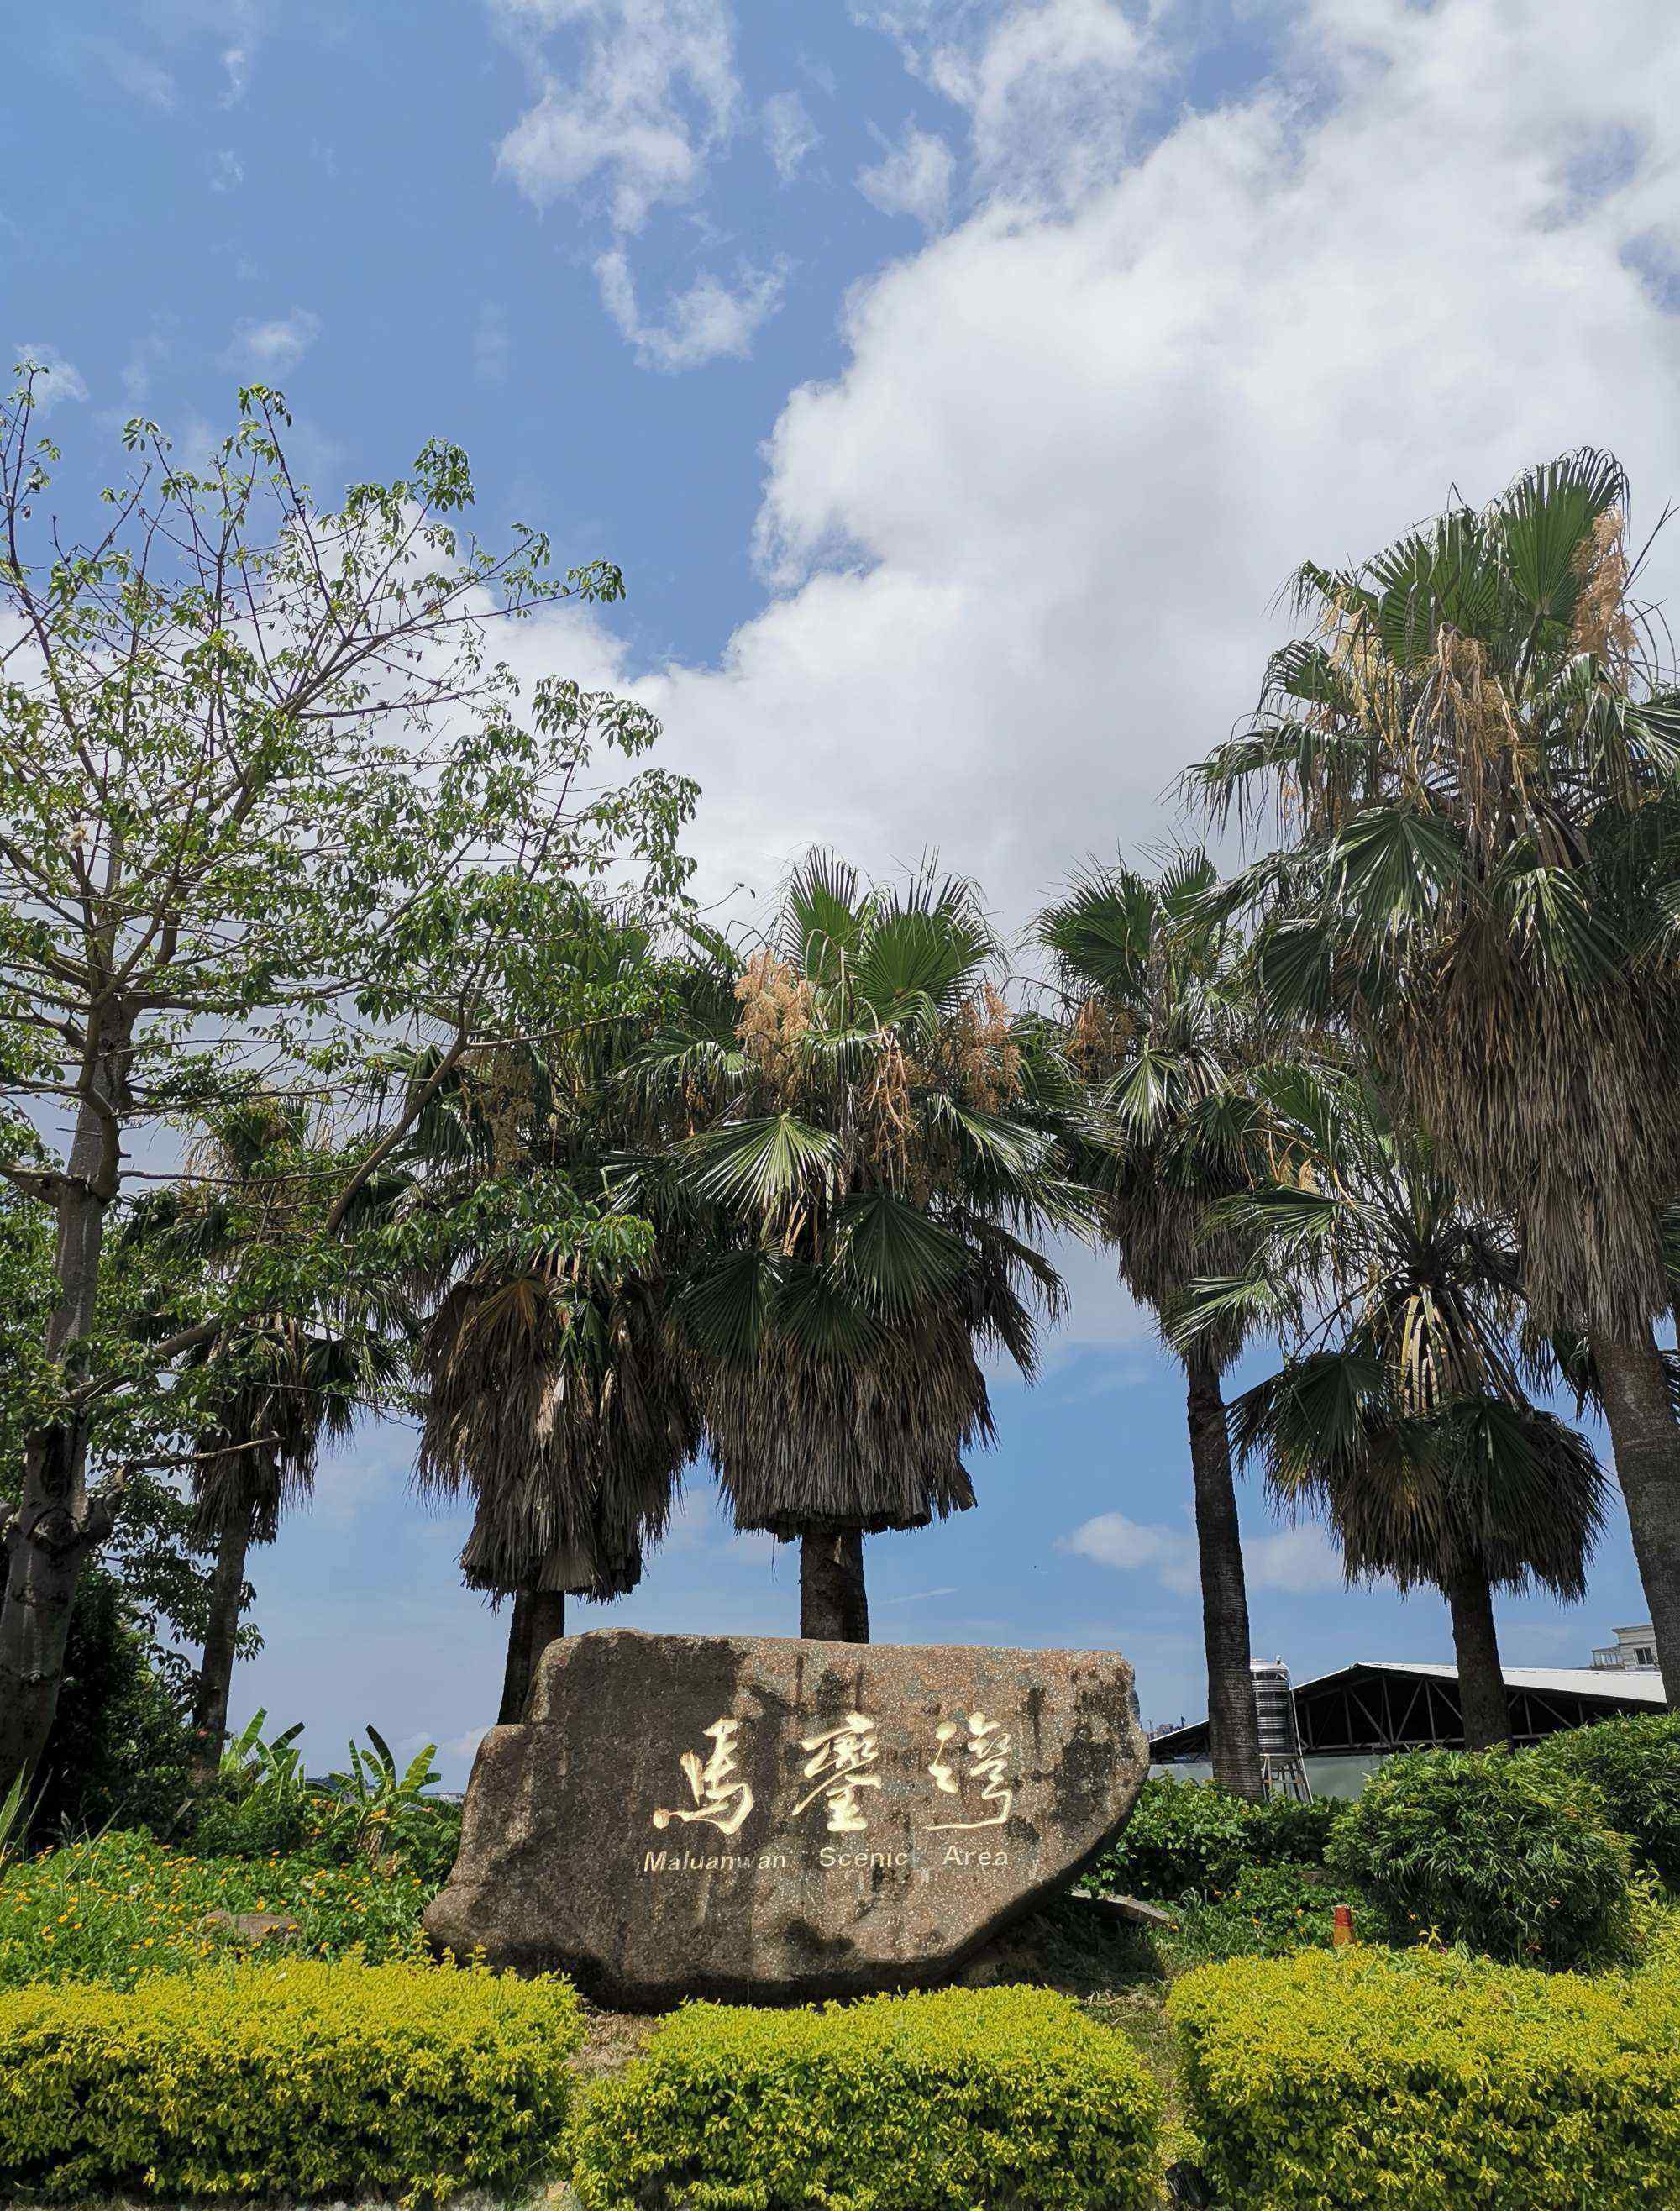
[[1380, 1705]]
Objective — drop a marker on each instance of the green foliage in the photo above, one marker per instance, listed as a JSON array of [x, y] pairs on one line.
[[1184, 1839], [921, 2102], [120, 1747], [1489, 1850], [15, 1809], [1281, 1831], [261, 1802], [379, 1810], [1368, 2079], [1634, 1766], [265, 757], [264, 1804], [1194, 1840], [298, 2078], [123, 1906], [862, 1125], [1268, 1912]]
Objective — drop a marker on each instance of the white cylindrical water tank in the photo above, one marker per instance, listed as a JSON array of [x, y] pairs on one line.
[[1275, 1705]]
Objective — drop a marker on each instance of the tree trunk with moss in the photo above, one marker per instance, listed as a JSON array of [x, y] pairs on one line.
[[539, 1619], [1233, 1729], [833, 1602], [1482, 1703], [57, 1526]]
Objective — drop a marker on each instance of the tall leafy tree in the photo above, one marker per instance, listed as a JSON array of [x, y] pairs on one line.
[[1474, 760], [270, 803], [1164, 1028], [858, 1127], [1401, 1411]]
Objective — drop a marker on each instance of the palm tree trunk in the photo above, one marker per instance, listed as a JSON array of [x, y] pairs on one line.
[[1482, 1700], [1646, 1443], [833, 1602], [216, 1667], [1234, 1731], [539, 1619]]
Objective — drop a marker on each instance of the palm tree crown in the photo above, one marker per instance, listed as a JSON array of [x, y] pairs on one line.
[[1475, 760], [556, 1392], [1479, 781], [1164, 1027], [859, 1118], [1401, 1412]]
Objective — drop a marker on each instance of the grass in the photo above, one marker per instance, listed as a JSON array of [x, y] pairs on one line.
[[121, 1905]]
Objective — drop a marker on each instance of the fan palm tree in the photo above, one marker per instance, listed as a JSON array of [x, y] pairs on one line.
[[1401, 1412], [1163, 1027], [556, 1392], [1475, 762], [275, 1387], [855, 1122], [557, 1397]]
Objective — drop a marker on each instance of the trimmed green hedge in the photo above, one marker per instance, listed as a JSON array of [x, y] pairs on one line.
[[1433, 2082], [1634, 1765], [1188, 1838], [300, 2079], [920, 2103], [1491, 1850]]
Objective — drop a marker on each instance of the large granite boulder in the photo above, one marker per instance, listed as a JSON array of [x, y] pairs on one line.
[[741, 1816]]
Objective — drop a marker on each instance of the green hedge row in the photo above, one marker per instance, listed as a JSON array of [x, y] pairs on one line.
[[1193, 1839], [1377, 2078], [299, 2079], [923, 2103], [1491, 1850], [1632, 1766]]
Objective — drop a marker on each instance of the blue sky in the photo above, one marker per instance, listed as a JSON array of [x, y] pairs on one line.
[[956, 382]]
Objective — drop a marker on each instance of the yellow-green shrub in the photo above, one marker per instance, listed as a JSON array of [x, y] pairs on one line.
[[920, 2103], [301, 2078], [1431, 2082]]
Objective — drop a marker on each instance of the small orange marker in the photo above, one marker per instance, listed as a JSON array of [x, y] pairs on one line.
[[1341, 1927]]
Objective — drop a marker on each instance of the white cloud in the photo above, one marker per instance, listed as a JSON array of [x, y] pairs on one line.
[[789, 133], [91, 55], [226, 171], [708, 322], [1025, 546], [1052, 89], [273, 346], [1051, 93], [492, 344], [147, 356], [59, 379], [1293, 1560], [460, 1750], [1168, 1554], [631, 99], [912, 178], [236, 29]]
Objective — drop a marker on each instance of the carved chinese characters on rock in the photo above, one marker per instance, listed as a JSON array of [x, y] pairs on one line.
[[721, 1799], [681, 1816], [979, 1768], [839, 1765], [972, 1762]]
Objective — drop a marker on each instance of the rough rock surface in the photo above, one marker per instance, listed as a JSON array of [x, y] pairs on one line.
[[743, 1816]]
